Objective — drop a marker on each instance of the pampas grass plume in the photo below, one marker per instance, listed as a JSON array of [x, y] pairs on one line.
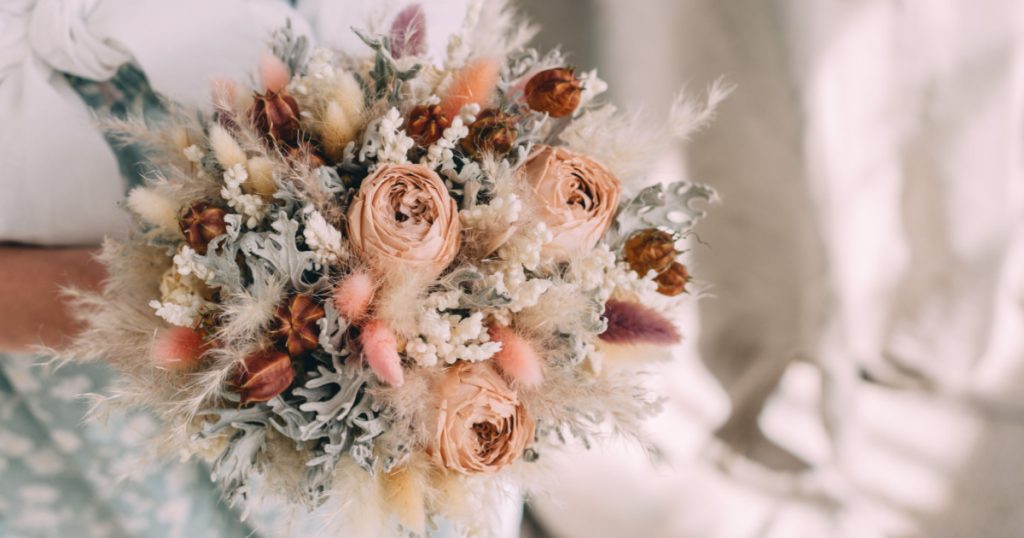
[[154, 208], [224, 92], [353, 294], [474, 83], [273, 73], [380, 347], [227, 150], [177, 348], [517, 358]]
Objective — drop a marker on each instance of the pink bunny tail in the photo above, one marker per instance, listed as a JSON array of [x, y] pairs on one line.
[[380, 347], [352, 296], [517, 357]]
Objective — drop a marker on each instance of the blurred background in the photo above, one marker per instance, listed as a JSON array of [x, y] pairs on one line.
[[856, 368]]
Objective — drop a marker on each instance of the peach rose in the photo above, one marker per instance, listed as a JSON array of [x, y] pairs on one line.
[[481, 425], [575, 196], [403, 216]]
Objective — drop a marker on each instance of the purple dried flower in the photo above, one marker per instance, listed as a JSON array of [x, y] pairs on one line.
[[632, 323], [409, 32]]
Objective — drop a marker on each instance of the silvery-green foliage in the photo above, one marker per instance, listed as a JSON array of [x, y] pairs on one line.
[[332, 331], [386, 78], [278, 250], [240, 461], [221, 259], [288, 418], [667, 207], [290, 49]]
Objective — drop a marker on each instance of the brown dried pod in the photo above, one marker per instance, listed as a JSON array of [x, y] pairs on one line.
[[297, 325], [555, 91], [493, 131], [648, 250], [276, 115], [263, 375], [672, 281], [427, 123], [200, 224]]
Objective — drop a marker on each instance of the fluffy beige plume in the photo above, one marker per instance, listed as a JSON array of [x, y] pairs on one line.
[[225, 147], [342, 117], [153, 207], [261, 176], [405, 491], [355, 503]]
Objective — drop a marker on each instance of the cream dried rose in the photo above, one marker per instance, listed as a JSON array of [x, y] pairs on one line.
[[403, 216], [575, 196], [481, 425]]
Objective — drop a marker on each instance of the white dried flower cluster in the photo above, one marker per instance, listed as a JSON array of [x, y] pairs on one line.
[[322, 238], [593, 270], [441, 153], [249, 205], [498, 214], [180, 302], [450, 337], [187, 264], [385, 141], [508, 276]]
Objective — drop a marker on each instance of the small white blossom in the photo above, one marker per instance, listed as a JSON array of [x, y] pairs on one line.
[[450, 337], [322, 238], [249, 205], [193, 154], [186, 263], [386, 140], [180, 301], [441, 153]]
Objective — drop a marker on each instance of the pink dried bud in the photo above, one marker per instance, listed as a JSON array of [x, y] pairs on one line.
[[380, 347], [517, 358], [177, 348]]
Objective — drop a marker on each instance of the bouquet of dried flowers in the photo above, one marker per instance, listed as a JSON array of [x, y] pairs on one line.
[[389, 284]]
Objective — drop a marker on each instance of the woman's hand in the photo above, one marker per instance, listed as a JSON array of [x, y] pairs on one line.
[[32, 309]]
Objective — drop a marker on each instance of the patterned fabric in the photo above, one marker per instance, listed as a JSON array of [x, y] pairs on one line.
[[127, 94], [63, 476]]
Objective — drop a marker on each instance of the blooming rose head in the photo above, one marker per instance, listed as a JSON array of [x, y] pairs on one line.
[[575, 196], [481, 425], [404, 217]]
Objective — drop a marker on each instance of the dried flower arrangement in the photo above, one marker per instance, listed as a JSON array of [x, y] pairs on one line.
[[374, 280]]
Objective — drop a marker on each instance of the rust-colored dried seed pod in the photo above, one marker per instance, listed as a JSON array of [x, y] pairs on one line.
[[649, 249], [555, 91], [672, 281], [263, 375], [493, 131], [276, 116], [200, 224], [426, 124], [297, 325]]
